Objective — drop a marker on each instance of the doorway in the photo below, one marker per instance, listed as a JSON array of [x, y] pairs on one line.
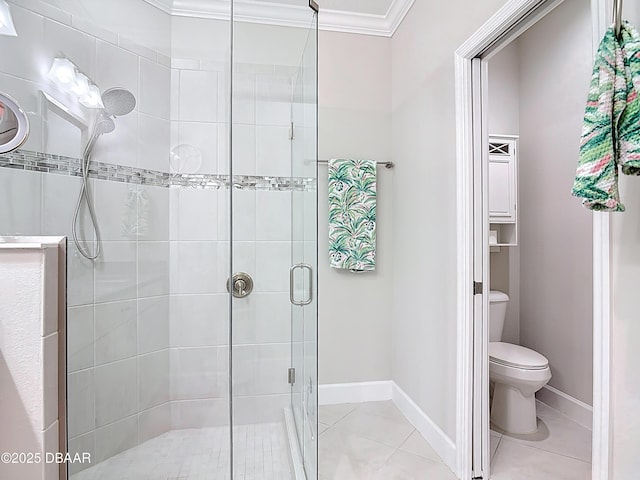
[[472, 59]]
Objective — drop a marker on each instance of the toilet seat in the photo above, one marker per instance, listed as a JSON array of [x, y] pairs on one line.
[[516, 356]]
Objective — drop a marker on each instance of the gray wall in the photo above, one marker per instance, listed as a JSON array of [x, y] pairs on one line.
[[424, 203], [504, 118], [355, 120], [555, 231]]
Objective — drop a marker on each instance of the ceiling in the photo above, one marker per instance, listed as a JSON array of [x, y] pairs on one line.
[[368, 17]]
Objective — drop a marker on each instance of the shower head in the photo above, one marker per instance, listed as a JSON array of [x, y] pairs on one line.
[[104, 124], [118, 101]]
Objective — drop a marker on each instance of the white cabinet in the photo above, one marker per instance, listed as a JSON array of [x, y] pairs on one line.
[[503, 189]]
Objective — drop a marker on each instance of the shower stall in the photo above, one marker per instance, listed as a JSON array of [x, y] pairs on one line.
[[176, 142]]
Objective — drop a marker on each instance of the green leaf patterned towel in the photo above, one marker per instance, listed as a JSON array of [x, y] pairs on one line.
[[352, 214], [611, 128]]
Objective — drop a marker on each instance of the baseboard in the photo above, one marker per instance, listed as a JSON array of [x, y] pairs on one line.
[[334, 393], [359, 392], [295, 458], [439, 441], [573, 408]]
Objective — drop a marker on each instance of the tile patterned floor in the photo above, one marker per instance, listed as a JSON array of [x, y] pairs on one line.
[[261, 452], [560, 450], [374, 441]]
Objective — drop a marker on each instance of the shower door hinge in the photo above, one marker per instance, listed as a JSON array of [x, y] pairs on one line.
[[292, 376], [291, 137], [477, 288]]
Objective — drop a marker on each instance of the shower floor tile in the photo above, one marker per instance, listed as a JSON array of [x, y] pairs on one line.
[[261, 451]]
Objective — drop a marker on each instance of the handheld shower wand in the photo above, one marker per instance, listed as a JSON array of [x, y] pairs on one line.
[[117, 102]]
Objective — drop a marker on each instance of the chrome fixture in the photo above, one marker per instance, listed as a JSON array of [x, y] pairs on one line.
[[385, 164], [14, 124], [6, 21], [242, 284], [292, 296], [117, 102], [617, 16]]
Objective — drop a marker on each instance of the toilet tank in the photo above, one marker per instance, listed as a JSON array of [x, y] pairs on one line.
[[497, 312]]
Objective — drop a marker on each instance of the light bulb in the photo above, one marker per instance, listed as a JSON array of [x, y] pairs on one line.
[[81, 85], [92, 99], [62, 72]]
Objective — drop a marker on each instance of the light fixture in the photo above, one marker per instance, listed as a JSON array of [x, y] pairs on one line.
[[92, 99], [6, 22], [68, 77], [62, 72], [80, 85]]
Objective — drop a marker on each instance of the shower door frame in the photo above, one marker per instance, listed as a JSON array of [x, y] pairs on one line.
[[472, 412]]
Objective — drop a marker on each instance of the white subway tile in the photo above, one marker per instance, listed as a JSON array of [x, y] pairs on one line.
[[199, 320], [154, 143], [80, 402], [204, 137], [273, 151], [155, 89], [115, 272], [24, 56], [80, 284], [273, 105], [243, 215], [153, 269], [73, 44], [153, 374], [199, 372], [196, 214], [22, 191], [153, 324], [154, 422], [80, 338], [115, 331], [200, 413], [116, 393], [116, 68], [261, 369], [199, 267], [273, 260], [59, 198], [273, 215], [82, 444], [244, 149], [261, 318], [198, 96], [153, 213], [115, 438]]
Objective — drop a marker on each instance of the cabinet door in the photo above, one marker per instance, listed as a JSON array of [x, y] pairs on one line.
[[501, 190]]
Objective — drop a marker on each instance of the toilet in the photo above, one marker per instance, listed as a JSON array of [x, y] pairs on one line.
[[517, 373]]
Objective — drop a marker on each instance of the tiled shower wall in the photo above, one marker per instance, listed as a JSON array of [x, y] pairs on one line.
[[148, 321], [118, 316], [200, 224]]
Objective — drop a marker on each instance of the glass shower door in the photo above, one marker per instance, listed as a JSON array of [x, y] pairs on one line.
[[304, 257]]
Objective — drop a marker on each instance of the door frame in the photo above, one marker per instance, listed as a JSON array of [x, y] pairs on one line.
[[509, 22]]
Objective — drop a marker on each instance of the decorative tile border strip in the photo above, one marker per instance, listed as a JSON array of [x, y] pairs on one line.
[[60, 165]]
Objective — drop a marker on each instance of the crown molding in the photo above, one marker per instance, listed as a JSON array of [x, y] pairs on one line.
[[274, 13]]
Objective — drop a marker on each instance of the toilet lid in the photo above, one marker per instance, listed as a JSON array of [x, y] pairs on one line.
[[516, 356]]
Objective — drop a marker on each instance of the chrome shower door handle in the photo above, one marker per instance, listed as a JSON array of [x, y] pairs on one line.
[[292, 297]]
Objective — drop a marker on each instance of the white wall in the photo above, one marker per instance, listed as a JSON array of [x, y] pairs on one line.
[[626, 327], [555, 231], [504, 118], [424, 203], [355, 121]]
